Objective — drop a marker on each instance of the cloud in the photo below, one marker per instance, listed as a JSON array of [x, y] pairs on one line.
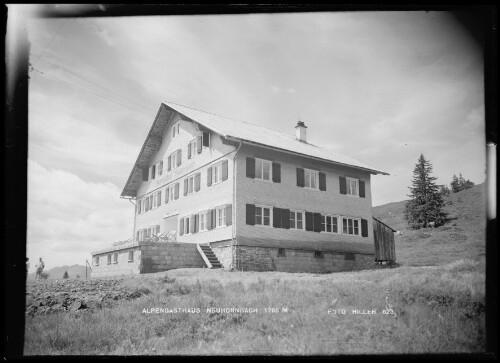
[[276, 90], [69, 217]]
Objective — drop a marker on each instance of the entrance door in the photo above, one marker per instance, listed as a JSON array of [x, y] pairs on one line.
[[171, 224]]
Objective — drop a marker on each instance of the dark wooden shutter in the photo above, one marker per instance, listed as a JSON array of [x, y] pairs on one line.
[[181, 227], [160, 168], [250, 167], [224, 169], [159, 198], [191, 224], [309, 221], [276, 172], [343, 185], [169, 166], [145, 173], [153, 171], [322, 181], [167, 194], [317, 222], [185, 186], [364, 228], [189, 150], [362, 189], [176, 190], [229, 214], [285, 218], [196, 220], [206, 139], [277, 218], [300, 177], [199, 144], [250, 214], [197, 181], [209, 176], [179, 157]]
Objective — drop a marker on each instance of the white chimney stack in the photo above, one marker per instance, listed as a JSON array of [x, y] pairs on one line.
[[300, 131]]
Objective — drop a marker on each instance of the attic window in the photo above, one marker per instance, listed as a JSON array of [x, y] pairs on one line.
[[175, 129]]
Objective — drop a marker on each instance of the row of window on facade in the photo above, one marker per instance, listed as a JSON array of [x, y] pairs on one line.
[[174, 160], [216, 173], [260, 215], [306, 178], [115, 258], [319, 254], [206, 220]]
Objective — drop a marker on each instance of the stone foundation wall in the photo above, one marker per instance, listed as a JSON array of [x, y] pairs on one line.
[[163, 256], [267, 259], [224, 252], [122, 267]]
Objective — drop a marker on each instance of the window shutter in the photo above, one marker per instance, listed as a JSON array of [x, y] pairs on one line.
[[196, 223], [224, 169], [276, 172], [208, 219], [199, 144], [191, 224], [309, 221], [179, 157], [159, 198], [250, 167], [361, 188], [250, 217], [167, 194], [206, 139], [343, 186], [176, 190], [317, 222], [181, 227], [229, 214], [213, 216], [364, 228], [189, 150], [285, 218], [300, 177], [169, 163], [145, 172], [153, 171], [322, 181], [147, 204], [209, 176], [277, 218], [185, 186], [197, 181], [160, 168]]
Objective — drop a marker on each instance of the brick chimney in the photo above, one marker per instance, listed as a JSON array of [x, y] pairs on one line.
[[300, 131]]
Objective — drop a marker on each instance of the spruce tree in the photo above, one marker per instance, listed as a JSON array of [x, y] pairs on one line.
[[426, 203], [65, 276], [455, 184]]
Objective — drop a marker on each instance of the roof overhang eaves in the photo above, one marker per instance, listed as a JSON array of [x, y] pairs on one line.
[[372, 171]]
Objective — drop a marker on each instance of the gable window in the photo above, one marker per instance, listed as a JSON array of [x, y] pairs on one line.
[[296, 219], [131, 256], [109, 259], [351, 226], [115, 257], [217, 172], [220, 220], [153, 171], [159, 168], [96, 261], [352, 186], [263, 215], [194, 147], [175, 129], [263, 169], [311, 179]]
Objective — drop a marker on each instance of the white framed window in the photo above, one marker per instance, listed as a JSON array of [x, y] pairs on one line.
[[220, 216], [296, 219], [263, 169], [352, 186], [109, 259], [159, 168], [351, 226], [190, 184], [203, 221], [130, 256], [193, 145], [263, 215], [173, 160], [115, 257], [217, 173], [155, 201], [330, 224], [311, 178], [176, 129]]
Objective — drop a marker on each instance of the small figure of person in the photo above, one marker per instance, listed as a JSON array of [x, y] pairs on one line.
[[39, 269]]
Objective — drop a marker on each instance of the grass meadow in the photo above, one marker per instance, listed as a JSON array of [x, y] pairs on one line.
[[437, 309]]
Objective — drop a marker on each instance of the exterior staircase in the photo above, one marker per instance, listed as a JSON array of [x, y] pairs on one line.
[[208, 256]]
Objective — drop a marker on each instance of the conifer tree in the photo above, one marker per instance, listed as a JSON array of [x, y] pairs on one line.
[[65, 276], [455, 184], [426, 203]]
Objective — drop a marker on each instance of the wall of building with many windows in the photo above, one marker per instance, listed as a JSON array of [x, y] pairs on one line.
[[284, 196]]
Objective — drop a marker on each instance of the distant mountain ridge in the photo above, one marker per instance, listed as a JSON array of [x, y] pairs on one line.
[[57, 273]]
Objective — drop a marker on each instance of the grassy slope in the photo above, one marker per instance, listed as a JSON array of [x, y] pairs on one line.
[[438, 308], [463, 236]]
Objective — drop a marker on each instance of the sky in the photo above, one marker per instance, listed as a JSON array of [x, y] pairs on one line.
[[380, 87]]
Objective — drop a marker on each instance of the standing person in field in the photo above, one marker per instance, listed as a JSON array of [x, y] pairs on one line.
[[39, 269]]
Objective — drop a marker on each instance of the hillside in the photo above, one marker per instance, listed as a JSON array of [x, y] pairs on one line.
[[58, 272], [462, 236]]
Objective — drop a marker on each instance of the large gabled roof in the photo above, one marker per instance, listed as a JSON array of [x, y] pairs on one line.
[[239, 131]]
